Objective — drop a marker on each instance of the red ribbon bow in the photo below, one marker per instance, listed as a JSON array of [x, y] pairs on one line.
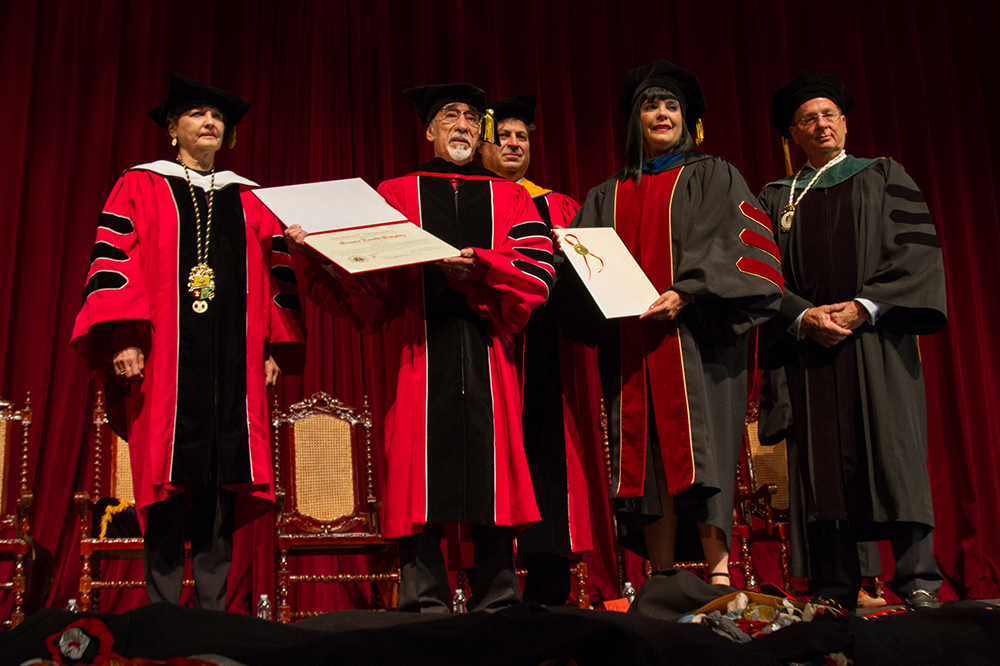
[[582, 250]]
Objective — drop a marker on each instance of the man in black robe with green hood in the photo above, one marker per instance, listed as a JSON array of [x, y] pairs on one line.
[[863, 278]]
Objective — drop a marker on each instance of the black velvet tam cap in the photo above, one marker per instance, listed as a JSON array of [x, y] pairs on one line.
[[664, 74], [801, 89], [428, 100], [521, 107], [185, 93]]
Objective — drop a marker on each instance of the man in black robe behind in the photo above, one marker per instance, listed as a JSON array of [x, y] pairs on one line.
[[560, 381], [863, 277]]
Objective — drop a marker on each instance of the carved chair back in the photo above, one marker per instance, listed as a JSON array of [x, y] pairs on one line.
[[767, 466], [330, 507], [14, 466], [765, 497], [328, 468]]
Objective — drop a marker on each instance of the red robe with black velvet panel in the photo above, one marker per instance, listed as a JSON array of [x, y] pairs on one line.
[[452, 438], [558, 441], [137, 295]]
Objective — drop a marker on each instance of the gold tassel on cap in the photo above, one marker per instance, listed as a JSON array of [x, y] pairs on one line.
[[788, 156], [232, 139], [699, 133], [488, 127]]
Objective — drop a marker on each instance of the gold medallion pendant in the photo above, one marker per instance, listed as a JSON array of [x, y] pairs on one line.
[[201, 284], [201, 279], [786, 219]]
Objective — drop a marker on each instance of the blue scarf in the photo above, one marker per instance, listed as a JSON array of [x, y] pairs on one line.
[[663, 162]]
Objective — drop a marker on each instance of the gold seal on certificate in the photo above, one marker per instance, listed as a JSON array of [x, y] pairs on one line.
[[617, 283], [582, 250]]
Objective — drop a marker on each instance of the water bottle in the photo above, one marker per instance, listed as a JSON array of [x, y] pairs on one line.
[[458, 601], [264, 608], [72, 606], [628, 592]]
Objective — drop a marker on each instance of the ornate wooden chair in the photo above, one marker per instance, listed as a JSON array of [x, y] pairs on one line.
[[765, 497], [112, 478], [15, 504], [329, 507]]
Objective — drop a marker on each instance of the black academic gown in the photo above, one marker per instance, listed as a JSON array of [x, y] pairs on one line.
[[857, 437], [693, 226]]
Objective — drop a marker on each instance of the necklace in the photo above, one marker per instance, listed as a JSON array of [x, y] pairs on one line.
[[201, 279], [789, 210]]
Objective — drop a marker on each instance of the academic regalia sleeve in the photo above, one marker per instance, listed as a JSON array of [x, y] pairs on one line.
[[792, 305], [286, 331], [115, 306], [519, 264], [727, 258], [908, 284]]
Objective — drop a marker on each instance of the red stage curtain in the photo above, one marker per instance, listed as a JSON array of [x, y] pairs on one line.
[[326, 77]]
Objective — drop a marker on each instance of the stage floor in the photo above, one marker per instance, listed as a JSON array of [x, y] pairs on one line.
[[962, 632]]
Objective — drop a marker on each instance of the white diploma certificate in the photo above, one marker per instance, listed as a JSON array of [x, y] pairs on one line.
[[609, 272], [350, 224]]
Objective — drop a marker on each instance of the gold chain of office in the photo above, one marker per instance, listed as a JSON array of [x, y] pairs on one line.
[[789, 211], [201, 279]]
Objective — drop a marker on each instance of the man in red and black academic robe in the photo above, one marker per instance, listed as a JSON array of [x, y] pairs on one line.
[[864, 277], [453, 441], [561, 389]]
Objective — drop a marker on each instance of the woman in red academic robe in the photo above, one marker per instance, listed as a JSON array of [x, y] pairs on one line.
[[674, 378], [190, 310]]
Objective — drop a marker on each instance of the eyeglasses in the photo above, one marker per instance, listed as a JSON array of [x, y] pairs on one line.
[[810, 121], [450, 117]]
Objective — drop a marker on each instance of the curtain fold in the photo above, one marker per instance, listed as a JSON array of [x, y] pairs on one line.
[[325, 78]]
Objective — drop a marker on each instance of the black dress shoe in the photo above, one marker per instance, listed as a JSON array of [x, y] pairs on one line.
[[921, 600]]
